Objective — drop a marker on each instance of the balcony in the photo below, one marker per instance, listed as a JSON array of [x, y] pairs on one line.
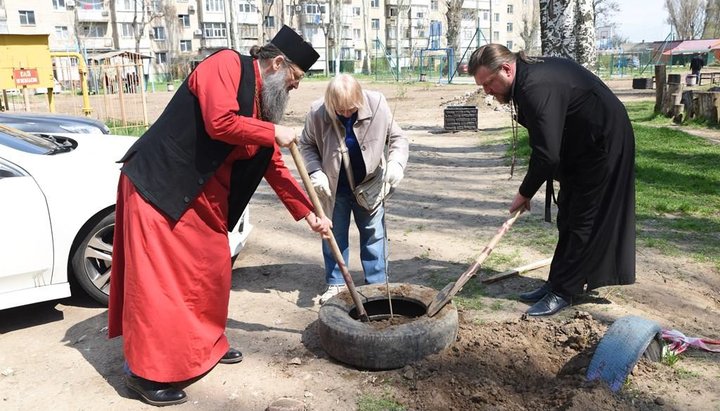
[[93, 16], [312, 19]]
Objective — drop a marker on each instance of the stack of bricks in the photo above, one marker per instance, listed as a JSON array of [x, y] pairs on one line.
[[458, 118]]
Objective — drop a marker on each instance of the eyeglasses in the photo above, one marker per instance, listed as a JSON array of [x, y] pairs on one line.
[[297, 75]]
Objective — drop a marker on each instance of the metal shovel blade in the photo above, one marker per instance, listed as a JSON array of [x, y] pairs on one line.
[[442, 298]]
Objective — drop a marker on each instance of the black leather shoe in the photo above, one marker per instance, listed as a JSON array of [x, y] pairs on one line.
[[155, 393], [548, 305], [232, 356], [536, 294]]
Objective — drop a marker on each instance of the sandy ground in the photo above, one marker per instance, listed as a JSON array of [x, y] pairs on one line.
[[56, 355]]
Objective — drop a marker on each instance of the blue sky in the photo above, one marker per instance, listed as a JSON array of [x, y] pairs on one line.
[[640, 20]]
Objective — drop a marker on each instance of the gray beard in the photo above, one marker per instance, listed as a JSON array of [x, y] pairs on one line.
[[275, 96]]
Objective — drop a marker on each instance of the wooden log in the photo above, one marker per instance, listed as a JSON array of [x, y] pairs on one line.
[[660, 73]]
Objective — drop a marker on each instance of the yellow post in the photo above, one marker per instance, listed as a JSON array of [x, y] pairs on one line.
[[87, 110]]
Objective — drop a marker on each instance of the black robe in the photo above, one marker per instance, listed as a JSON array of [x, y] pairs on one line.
[[581, 136]]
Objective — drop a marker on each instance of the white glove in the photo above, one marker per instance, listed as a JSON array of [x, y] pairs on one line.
[[320, 183], [394, 173]]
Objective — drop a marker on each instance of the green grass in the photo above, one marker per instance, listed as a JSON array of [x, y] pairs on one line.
[[129, 128], [677, 188], [368, 402]]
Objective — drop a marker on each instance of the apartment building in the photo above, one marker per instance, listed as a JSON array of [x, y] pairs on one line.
[[178, 31]]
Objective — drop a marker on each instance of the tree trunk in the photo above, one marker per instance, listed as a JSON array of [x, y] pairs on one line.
[[557, 21], [366, 27], [585, 51], [453, 25], [567, 30]]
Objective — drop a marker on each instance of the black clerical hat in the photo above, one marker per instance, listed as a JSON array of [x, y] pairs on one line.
[[295, 48]]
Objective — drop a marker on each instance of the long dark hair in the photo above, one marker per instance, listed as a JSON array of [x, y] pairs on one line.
[[493, 56]]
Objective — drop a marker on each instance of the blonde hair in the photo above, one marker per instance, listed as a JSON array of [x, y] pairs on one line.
[[343, 92]]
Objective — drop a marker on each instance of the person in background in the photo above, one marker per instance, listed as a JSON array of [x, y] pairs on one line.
[[362, 121], [696, 64], [581, 136], [183, 184]]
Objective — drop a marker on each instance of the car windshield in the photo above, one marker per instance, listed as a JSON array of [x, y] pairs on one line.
[[28, 143]]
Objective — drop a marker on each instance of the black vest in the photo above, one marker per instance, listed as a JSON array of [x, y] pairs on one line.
[[173, 160]]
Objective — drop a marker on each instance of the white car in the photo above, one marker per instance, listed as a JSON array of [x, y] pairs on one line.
[[57, 214]]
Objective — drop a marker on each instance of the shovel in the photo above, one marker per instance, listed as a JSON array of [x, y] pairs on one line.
[[300, 164], [447, 293]]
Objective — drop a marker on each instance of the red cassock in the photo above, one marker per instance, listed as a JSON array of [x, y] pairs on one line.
[[171, 280]]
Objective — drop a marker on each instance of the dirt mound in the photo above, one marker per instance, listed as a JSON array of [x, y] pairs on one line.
[[519, 364]]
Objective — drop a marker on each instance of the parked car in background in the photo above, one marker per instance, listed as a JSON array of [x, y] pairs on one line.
[[57, 214], [52, 123]]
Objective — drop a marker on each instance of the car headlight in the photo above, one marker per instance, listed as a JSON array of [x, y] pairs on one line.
[[81, 129]]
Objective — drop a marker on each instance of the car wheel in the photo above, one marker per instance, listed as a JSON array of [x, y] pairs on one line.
[[375, 345], [92, 259]]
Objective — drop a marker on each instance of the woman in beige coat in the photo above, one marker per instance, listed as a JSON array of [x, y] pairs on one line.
[[360, 121]]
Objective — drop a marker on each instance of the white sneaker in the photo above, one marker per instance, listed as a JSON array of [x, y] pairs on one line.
[[332, 290]]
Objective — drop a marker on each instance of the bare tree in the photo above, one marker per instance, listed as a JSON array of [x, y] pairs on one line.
[[144, 12], [712, 20], [454, 16], [687, 17], [530, 29], [604, 11]]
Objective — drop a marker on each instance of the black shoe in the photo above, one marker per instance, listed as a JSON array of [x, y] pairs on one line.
[[155, 393], [232, 356], [535, 295], [548, 305]]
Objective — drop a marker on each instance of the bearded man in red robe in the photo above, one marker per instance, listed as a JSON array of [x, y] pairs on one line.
[[183, 184]]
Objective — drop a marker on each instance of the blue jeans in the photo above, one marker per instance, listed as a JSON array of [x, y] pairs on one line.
[[372, 239]]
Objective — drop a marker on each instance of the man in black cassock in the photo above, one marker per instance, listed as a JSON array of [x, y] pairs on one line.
[[580, 135]]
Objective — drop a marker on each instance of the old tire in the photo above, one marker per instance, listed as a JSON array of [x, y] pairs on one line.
[[365, 346]]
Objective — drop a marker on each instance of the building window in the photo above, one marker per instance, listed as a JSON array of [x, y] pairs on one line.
[[185, 45], [356, 11], [94, 31], [509, 27], [126, 30], [356, 34], [161, 58], [375, 24], [496, 35], [510, 9], [248, 31], [269, 21], [497, 16], [184, 20], [126, 5], [27, 17], [62, 33], [358, 55], [247, 8], [214, 30], [375, 3], [509, 45], [486, 15], [433, 4], [91, 4], [214, 5], [159, 33], [59, 4]]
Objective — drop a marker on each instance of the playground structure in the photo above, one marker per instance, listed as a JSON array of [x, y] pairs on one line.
[[26, 64]]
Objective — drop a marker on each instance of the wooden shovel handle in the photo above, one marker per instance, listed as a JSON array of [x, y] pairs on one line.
[[302, 170]]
